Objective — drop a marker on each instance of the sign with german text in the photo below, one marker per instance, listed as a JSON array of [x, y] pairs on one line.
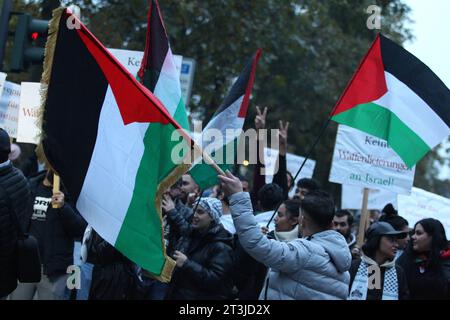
[[363, 160], [30, 100], [9, 108], [421, 204], [2, 81], [352, 197], [131, 60], [293, 163]]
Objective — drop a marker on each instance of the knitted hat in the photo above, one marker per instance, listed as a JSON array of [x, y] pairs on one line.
[[213, 207]]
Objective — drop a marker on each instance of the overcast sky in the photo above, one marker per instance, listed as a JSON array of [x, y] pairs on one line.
[[431, 29]]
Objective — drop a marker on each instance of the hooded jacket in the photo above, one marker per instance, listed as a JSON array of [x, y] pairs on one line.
[[377, 293], [315, 268], [206, 275], [14, 199]]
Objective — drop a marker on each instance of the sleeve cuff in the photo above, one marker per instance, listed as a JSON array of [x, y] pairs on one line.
[[236, 197]]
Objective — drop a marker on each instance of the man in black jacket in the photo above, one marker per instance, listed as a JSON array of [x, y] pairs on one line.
[[55, 224], [14, 200]]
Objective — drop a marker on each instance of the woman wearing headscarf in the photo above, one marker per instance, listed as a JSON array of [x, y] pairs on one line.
[[204, 259], [427, 261], [375, 276]]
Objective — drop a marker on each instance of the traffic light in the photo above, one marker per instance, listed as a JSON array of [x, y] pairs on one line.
[[29, 42]]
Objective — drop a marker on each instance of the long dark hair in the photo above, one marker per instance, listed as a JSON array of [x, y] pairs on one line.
[[435, 229]]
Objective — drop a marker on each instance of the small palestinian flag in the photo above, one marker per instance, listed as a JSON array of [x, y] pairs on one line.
[[229, 116], [105, 134], [396, 97]]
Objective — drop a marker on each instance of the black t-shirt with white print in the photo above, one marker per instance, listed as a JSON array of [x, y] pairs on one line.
[[42, 201]]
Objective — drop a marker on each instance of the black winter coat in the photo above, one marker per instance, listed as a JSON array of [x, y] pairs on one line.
[[62, 227], [178, 220], [431, 283], [14, 199], [114, 276], [377, 294], [248, 274], [206, 275]]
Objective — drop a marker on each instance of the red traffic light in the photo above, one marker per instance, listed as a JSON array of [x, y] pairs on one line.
[[34, 35]]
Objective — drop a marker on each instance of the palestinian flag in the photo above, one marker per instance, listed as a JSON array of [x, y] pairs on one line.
[[395, 97], [229, 116], [99, 135], [158, 71]]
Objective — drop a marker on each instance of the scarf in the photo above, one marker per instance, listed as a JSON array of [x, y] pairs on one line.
[[285, 236], [422, 260], [213, 206], [360, 284]]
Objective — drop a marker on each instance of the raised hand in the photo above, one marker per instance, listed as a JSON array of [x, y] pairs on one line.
[[167, 203], [230, 183], [260, 119], [283, 135]]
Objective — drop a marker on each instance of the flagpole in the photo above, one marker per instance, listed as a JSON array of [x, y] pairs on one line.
[[198, 201], [363, 219], [56, 183], [205, 156], [322, 131]]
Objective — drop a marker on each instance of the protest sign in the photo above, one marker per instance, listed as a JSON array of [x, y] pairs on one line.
[[367, 161], [9, 108], [30, 100], [422, 204], [352, 198]]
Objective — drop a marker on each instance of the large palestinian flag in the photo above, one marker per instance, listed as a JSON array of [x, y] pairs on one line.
[[158, 71], [395, 97], [105, 134], [229, 116]]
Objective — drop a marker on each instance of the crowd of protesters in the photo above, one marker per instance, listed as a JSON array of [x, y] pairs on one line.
[[282, 240]]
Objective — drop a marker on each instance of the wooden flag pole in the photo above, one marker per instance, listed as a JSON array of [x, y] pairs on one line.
[[56, 183], [209, 160], [205, 156], [363, 219]]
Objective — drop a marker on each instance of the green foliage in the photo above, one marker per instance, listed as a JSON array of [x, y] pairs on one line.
[[311, 49]]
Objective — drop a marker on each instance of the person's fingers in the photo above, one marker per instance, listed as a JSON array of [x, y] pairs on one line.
[[225, 179], [230, 175], [258, 110], [287, 126], [265, 112]]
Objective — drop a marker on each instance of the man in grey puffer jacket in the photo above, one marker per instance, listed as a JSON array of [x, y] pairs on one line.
[[314, 267]]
